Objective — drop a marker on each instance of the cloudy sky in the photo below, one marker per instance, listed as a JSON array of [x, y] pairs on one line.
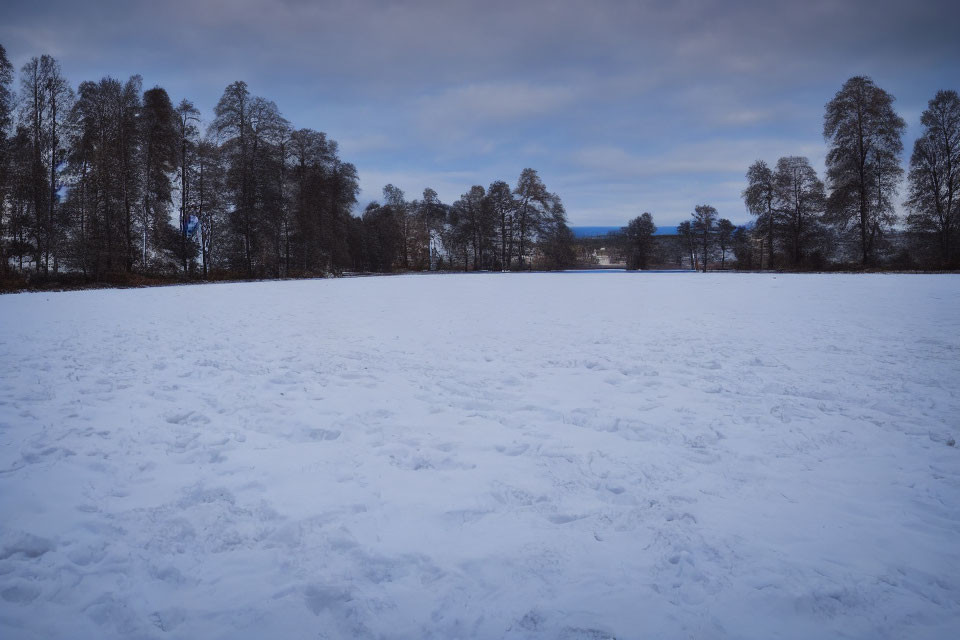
[[622, 107]]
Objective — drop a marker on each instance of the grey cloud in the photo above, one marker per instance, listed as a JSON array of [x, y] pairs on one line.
[[712, 156], [609, 91]]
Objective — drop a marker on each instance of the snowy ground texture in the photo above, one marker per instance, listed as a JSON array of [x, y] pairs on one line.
[[484, 456]]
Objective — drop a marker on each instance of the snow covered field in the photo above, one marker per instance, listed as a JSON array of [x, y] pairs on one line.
[[495, 456]]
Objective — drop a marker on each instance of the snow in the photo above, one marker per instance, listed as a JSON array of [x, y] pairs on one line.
[[546, 456]]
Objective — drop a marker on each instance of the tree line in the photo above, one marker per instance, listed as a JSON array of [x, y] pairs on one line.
[[495, 228], [704, 239], [109, 179], [851, 217], [848, 220]]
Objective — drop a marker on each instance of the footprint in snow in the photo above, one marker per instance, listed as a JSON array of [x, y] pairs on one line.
[[324, 434], [512, 450]]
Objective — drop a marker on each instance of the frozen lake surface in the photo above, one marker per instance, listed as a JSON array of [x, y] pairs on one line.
[[494, 456]]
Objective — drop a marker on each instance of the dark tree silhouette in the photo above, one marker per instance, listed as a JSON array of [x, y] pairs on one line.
[[704, 229], [863, 161], [934, 178], [801, 201], [638, 235], [759, 196]]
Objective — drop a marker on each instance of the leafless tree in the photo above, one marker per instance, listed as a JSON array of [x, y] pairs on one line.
[[934, 178], [759, 197], [801, 201], [863, 162]]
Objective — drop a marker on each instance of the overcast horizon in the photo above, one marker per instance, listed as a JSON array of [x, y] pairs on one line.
[[622, 108]]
